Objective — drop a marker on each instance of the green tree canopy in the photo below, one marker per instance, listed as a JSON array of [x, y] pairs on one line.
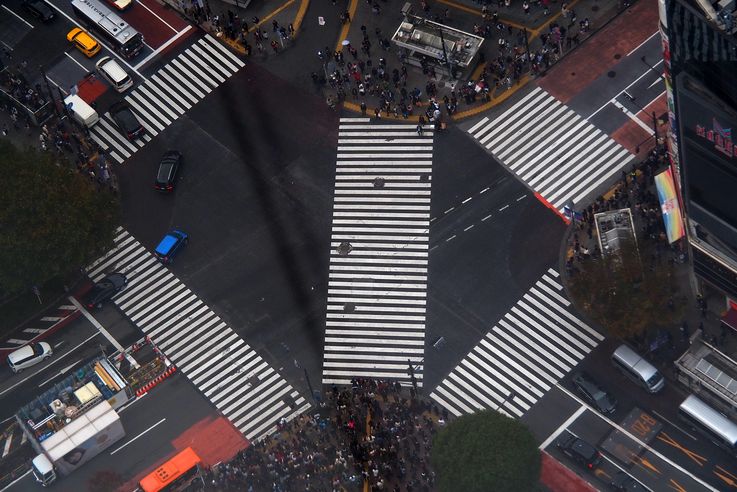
[[52, 220], [486, 451], [628, 291]]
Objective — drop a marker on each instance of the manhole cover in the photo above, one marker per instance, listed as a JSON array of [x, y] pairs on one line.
[[379, 182], [611, 74], [424, 177], [344, 248], [349, 307], [617, 56]]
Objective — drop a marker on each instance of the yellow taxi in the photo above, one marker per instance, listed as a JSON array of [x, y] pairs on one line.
[[83, 42]]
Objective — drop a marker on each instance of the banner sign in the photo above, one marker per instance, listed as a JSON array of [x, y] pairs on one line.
[[669, 206]]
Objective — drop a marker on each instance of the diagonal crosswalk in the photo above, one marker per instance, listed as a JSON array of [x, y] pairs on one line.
[[552, 149], [529, 350], [245, 388], [168, 94], [375, 324]]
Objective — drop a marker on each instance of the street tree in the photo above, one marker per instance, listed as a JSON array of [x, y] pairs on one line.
[[629, 291], [485, 451], [52, 220]]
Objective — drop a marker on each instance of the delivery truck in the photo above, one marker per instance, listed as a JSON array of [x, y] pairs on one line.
[[76, 420]]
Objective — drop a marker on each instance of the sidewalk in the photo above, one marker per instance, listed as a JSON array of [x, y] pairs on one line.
[[376, 76], [581, 242]]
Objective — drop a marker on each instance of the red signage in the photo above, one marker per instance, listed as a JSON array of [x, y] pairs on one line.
[[721, 137]]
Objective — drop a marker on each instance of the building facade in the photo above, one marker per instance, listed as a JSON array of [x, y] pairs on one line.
[[700, 52]]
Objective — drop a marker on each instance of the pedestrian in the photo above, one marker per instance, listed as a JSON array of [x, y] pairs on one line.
[[5, 130], [275, 46], [290, 28], [526, 7], [419, 130], [363, 108], [275, 25]]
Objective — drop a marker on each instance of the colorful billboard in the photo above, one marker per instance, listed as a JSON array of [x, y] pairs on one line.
[[669, 205]]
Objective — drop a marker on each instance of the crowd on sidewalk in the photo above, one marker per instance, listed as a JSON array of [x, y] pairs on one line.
[[374, 432], [635, 190]]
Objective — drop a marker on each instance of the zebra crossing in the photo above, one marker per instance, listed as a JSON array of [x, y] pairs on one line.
[[245, 388], [375, 322], [527, 352], [553, 150], [168, 94]]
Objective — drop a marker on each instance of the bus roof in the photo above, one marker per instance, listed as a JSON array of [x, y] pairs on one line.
[[169, 471]]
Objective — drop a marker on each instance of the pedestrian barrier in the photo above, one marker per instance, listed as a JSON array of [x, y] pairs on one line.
[[147, 387]]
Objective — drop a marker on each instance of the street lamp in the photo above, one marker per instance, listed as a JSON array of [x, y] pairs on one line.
[[655, 119]]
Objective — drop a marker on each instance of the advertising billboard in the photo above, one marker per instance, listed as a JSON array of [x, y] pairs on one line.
[[669, 205]]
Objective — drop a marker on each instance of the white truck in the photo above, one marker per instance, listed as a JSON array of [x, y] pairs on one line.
[[77, 443], [76, 420]]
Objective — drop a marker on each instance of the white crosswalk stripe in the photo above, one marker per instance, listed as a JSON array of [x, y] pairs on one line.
[[245, 388], [532, 347], [176, 87], [377, 285], [552, 149]]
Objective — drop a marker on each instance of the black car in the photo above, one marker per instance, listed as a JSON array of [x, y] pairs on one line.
[[104, 290], [126, 120], [595, 394], [168, 167], [623, 482], [579, 451], [39, 9]]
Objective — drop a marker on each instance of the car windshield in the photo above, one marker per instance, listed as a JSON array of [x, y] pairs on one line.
[[601, 398], [103, 285], [165, 169], [654, 379]]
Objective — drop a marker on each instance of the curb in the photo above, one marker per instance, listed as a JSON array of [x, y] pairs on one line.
[[145, 389]]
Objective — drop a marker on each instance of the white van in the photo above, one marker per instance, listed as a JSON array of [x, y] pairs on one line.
[[81, 111], [29, 355], [636, 368], [111, 71]]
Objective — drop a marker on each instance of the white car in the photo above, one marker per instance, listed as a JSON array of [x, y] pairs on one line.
[[29, 355], [116, 75]]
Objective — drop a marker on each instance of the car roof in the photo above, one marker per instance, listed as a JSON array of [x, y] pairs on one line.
[[84, 38], [583, 448], [25, 351], [166, 244]]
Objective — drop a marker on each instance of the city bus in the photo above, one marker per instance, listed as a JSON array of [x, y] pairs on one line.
[[126, 40], [176, 474], [714, 425]]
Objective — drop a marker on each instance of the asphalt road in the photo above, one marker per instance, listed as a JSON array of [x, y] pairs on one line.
[[73, 345], [484, 253], [255, 195]]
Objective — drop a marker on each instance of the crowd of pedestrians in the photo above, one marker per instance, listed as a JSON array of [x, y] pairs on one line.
[[15, 84], [374, 432], [634, 191]]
